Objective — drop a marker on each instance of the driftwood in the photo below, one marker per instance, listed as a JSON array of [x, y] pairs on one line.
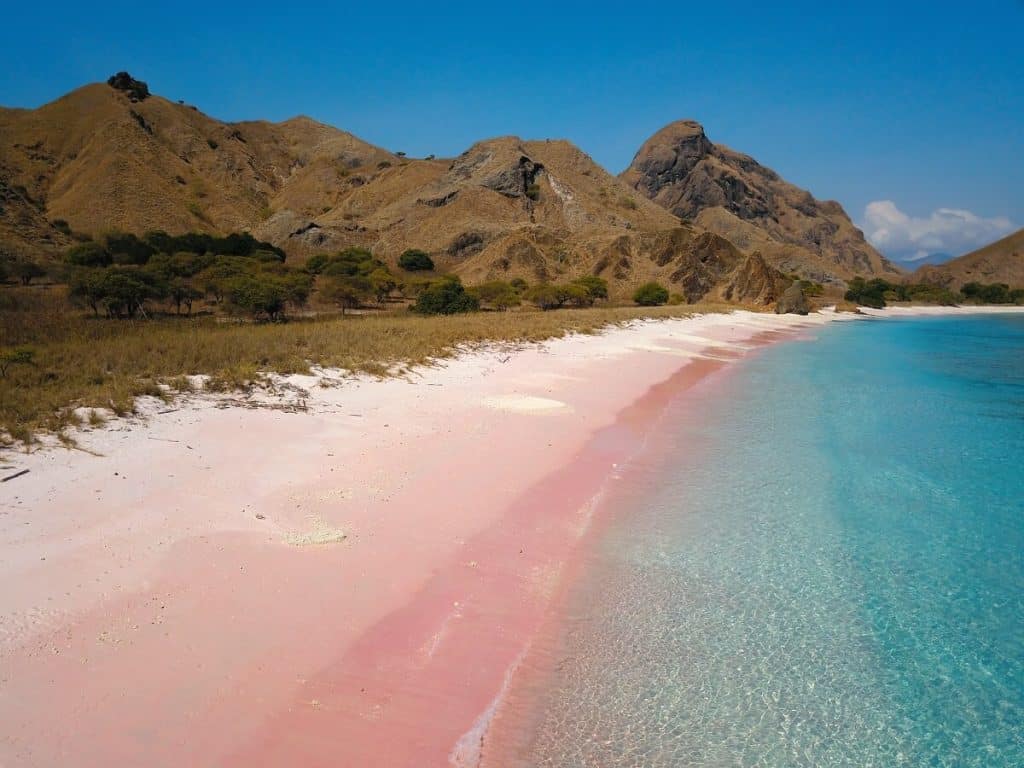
[[16, 474]]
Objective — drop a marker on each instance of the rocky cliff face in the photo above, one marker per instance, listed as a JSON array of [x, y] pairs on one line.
[[732, 194]]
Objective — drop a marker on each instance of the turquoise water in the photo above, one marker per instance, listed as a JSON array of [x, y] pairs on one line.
[[825, 567]]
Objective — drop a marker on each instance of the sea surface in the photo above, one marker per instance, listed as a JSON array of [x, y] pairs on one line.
[[822, 566]]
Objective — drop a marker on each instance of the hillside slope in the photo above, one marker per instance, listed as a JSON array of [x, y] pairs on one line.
[[732, 194], [100, 159], [998, 262], [110, 156]]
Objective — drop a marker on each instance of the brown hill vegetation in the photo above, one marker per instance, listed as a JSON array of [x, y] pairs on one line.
[[704, 220], [113, 157], [998, 262]]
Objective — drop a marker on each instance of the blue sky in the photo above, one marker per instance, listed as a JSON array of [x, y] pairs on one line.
[[919, 109]]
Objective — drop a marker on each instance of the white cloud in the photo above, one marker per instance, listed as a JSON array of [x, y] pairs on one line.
[[946, 230]]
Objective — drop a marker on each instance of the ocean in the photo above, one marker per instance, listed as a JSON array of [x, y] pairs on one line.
[[822, 564]]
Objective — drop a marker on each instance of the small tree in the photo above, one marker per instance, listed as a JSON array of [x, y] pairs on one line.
[[497, 294], [181, 293], [382, 283], [347, 291], [124, 291], [86, 287], [26, 271], [414, 260], [545, 296], [260, 295], [446, 296], [650, 294]]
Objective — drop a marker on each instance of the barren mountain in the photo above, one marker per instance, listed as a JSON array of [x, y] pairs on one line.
[[99, 158], [998, 262], [111, 156], [730, 193]]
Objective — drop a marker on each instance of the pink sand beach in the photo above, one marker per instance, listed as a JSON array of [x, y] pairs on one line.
[[353, 584]]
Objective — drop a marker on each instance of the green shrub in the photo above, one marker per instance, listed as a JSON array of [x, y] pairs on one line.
[[869, 293], [88, 254], [136, 89], [127, 248], [315, 264], [811, 288], [496, 294], [596, 287], [446, 296], [545, 296], [993, 293], [415, 260], [650, 294]]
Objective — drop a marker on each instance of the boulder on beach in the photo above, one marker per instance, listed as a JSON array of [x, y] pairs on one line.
[[792, 302]]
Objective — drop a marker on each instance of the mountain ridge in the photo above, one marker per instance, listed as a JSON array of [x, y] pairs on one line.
[[112, 156]]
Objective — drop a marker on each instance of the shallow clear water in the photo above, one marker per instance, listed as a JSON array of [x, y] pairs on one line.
[[824, 568]]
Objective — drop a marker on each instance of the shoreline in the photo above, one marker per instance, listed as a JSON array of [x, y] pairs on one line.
[[234, 586]]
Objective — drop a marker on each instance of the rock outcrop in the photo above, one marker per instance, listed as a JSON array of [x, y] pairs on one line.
[[754, 282], [792, 302], [732, 194]]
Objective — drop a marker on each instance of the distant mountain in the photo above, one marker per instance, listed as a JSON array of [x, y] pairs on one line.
[[733, 195], [113, 156], [999, 262], [931, 258]]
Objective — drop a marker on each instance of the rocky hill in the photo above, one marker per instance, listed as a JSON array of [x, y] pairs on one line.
[[730, 193], [999, 262], [112, 156]]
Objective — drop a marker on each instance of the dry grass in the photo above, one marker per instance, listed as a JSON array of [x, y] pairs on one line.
[[81, 361]]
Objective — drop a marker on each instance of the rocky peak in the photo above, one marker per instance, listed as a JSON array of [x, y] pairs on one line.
[[730, 193], [670, 155]]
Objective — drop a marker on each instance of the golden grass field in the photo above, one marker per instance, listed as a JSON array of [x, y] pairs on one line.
[[81, 361]]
